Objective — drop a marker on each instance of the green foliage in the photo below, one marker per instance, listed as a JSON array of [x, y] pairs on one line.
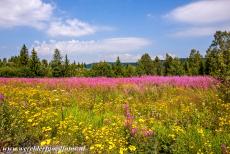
[[56, 64], [145, 65], [218, 55], [117, 68], [129, 71], [173, 66], [158, 66], [195, 62], [8, 71], [102, 69], [66, 71], [34, 64], [218, 62], [215, 63], [168, 65], [24, 56]]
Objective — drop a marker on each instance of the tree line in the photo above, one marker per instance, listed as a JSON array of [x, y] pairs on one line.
[[216, 62]]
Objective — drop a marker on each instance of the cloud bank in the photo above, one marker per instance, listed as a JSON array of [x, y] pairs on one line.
[[40, 15], [110, 45], [33, 13], [202, 18]]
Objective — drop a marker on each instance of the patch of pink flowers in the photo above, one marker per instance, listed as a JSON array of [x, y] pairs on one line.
[[1, 97], [129, 124], [184, 81]]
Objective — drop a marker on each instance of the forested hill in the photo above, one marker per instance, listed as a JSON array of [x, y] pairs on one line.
[[88, 66]]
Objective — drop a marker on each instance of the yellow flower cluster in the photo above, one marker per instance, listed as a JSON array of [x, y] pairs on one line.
[[160, 119]]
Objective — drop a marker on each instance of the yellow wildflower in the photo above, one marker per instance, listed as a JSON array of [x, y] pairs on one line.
[[132, 148], [30, 120]]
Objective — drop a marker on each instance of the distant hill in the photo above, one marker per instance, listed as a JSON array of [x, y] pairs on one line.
[[124, 64], [127, 63]]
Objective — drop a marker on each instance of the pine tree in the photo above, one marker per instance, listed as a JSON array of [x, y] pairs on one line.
[[66, 67], [145, 65], [56, 64], [34, 64], [177, 67], [194, 61], [158, 65], [24, 56], [118, 68], [186, 67], [168, 64]]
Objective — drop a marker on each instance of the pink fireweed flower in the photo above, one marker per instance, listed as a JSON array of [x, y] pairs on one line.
[[147, 133], [181, 81], [1, 97], [128, 117], [133, 131], [128, 122]]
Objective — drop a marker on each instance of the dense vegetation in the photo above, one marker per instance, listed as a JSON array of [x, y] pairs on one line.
[[115, 115], [216, 62], [162, 111]]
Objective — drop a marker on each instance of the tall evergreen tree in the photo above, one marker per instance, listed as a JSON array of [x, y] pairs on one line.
[[168, 64], [118, 68], [186, 66], [34, 64], [194, 61], [66, 67], [56, 64], [24, 56], [177, 67], [145, 65], [158, 65]]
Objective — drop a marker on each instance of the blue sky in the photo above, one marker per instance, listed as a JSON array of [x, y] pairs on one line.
[[94, 30]]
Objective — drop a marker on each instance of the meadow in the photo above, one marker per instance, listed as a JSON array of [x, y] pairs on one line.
[[115, 115]]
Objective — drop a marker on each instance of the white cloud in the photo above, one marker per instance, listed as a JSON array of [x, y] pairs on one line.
[[202, 12], [111, 45], [124, 57], [24, 13], [202, 18], [70, 27], [40, 15], [200, 31]]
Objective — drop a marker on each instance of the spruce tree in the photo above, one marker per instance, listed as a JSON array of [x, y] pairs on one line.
[[56, 64], [195, 62], [168, 64], [24, 56], [158, 65], [145, 65], [34, 64], [118, 68], [66, 67]]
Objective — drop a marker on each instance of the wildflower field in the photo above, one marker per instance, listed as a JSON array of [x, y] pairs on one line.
[[115, 115]]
